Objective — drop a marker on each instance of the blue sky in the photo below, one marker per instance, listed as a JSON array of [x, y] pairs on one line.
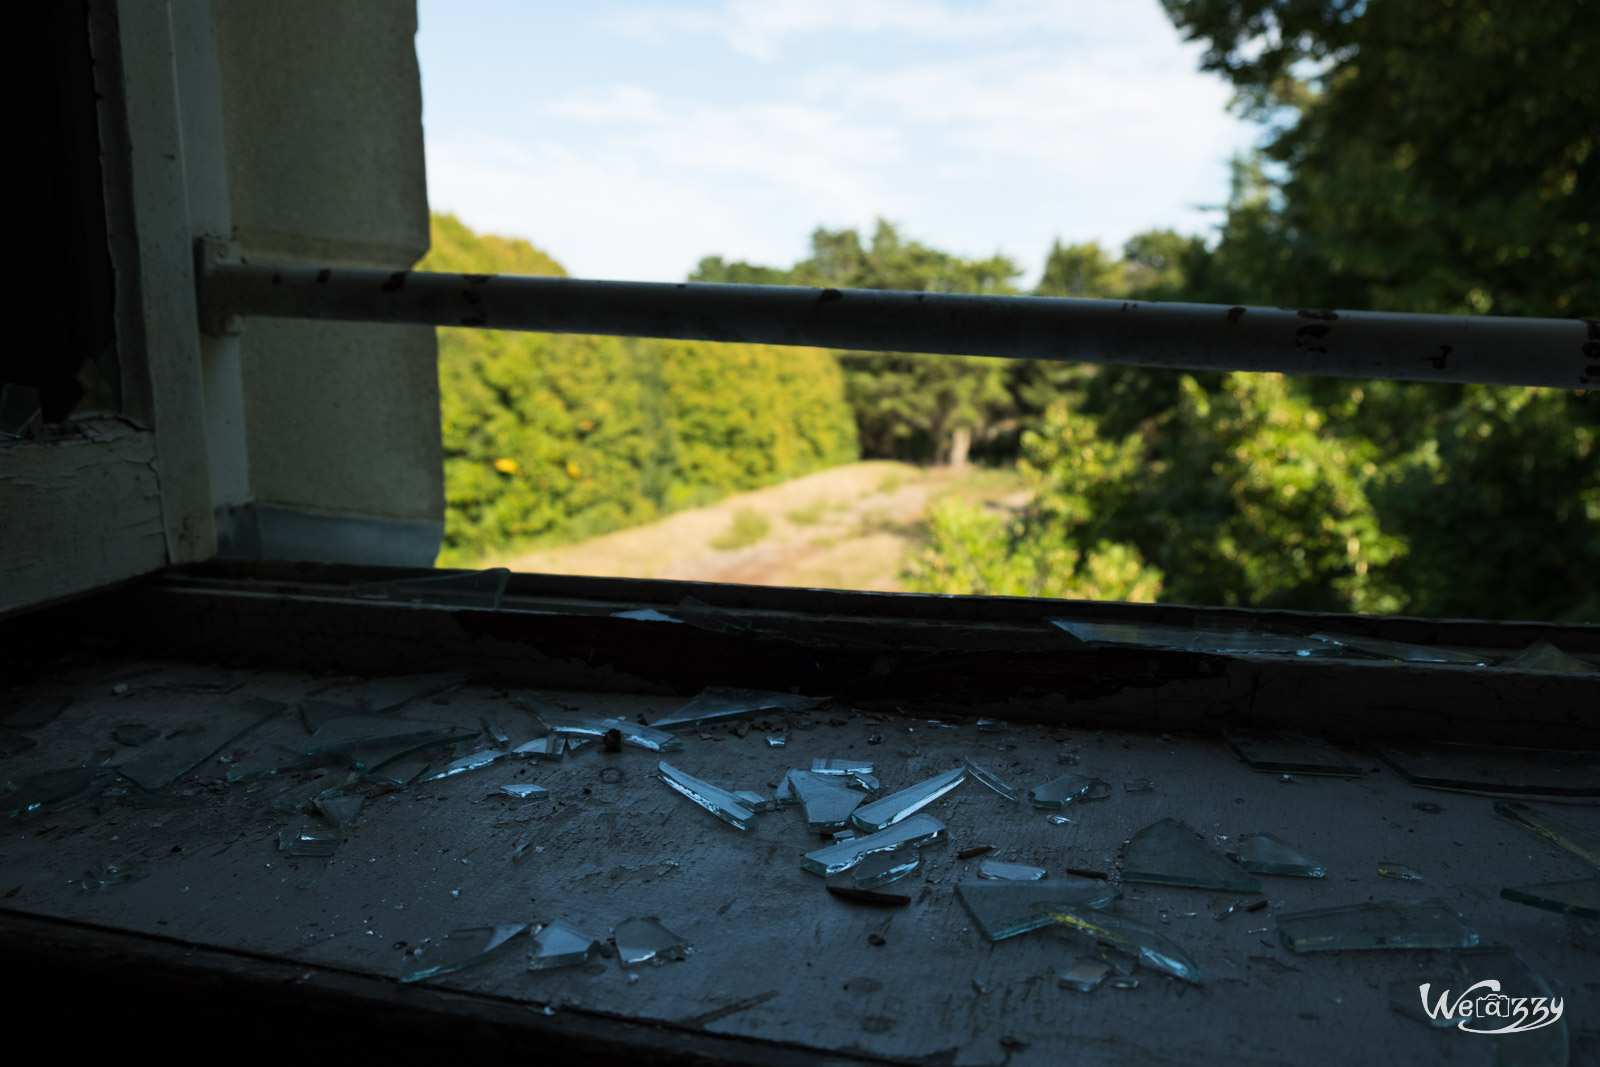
[[630, 139]]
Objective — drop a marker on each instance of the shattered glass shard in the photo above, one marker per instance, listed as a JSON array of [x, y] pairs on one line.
[[372, 757], [1084, 976], [645, 615], [400, 771], [717, 704], [492, 727], [826, 800], [380, 695], [1059, 792], [718, 801], [341, 811], [1558, 831], [462, 949], [560, 944], [1006, 909], [1170, 853], [1545, 1044], [1382, 648], [646, 940], [1151, 946], [840, 885], [1138, 785], [1375, 925], [299, 797], [462, 589], [102, 875], [526, 792], [578, 725], [1269, 854], [1000, 871], [881, 868], [1189, 639], [308, 841], [891, 809], [471, 762], [134, 734], [159, 765], [991, 780], [548, 747], [785, 791], [366, 731], [1495, 768], [1398, 871], [1291, 754], [776, 740], [50, 791], [40, 711], [1543, 656], [1098, 790], [11, 742], [915, 831], [1580, 897], [841, 766]]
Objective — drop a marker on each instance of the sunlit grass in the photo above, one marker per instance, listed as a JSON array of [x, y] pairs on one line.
[[747, 528]]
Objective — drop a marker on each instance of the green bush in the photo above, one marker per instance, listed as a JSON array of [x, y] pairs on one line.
[[746, 529]]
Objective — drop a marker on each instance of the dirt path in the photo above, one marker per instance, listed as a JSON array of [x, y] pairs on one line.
[[844, 528]]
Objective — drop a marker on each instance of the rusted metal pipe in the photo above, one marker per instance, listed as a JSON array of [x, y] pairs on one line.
[[1560, 353]]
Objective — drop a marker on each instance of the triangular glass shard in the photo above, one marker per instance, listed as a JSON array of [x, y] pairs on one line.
[[371, 757], [1580, 897], [1545, 1041], [309, 841], [162, 764], [551, 746], [881, 868], [368, 731], [1269, 854], [341, 811], [1291, 754], [718, 801], [471, 762], [463, 949], [1543, 656], [827, 801], [580, 725], [1189, 639], [1375, 925], [462, 589], [1399, 871], [390, 694], [526, 792], [1006, 909], [51, 790], [1558, 831], [1000, 871], [907, 802], [1382, 648], [915, 831], [647, 941], [1059, 792], [1169, 853], [718, 703], [645, 615], [560, 944], [1151, 946], [1495, 768], [993, 781], [492, 727], [1084, 976]]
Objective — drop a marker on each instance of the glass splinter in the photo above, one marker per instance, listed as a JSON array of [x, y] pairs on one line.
[[388, 694], [360, 731], [1151, 946], [777, 740], [560, 944], [103, 875], [1291, 754], [897, 806], [1383, 648], [526, 792], [464, 948], [464, 589], [1374, 925], [468, 763], [1084, 976], [917, 830], [991, 780], [646, 940], [549, 747], [1186, 638], [573, 723], [1543, 656], [1169, 853], [841, 766], [719, 802], [881, 868], [50, 791], [1098, 790], [826, 800], [1495, 768], [1558, 831], [341, 811], [371, 757], [308, 841], [161, 765], [997, 870], [1580, 897], [1268, 854], [1399, 871], [1006, 909], [717, 704], [1059, 792]]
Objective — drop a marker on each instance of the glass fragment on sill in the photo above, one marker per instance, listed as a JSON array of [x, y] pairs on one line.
[[1085, 976], [366, 731], [1375, 925], [40, 711], [12, 742], [1119, 961], [1169, 853], [50, 791], [1151, 946], [471, 762], [1190, 639], [991, 780], [645, 615], [844, 835], [105, 875], [161, 765], [134, 734], [577, 725], [381, 695], [719, 703], [1543, 656], [400, 772], [784, 793], [776, 740], [1098, 790], [525, 848], [1000, 871], [1059, 820], [464, 948], [881, 868], [1382, 648], [718, 801], [1558, 831], [300, 797], [645, 940], [463, 589], [523, 791], [974, 850], [1291, 754], [341, 811], [308, 841], [1059, 792], [1138, 785], [491, 726], [840, 885], [841, 766], [877, 814], [1007, 909], [1495, 768], [370, 758], [1270, 854], [991, 726], [1124, 983], [550, 746], [265, 764], [1543, 1045], [826, 800], [1399, 871], [19, 410], [313, 713], [1580, 897], [915, 831], [560, 944]]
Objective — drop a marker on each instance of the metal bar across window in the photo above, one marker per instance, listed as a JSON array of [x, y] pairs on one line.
[[1560, 353]]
